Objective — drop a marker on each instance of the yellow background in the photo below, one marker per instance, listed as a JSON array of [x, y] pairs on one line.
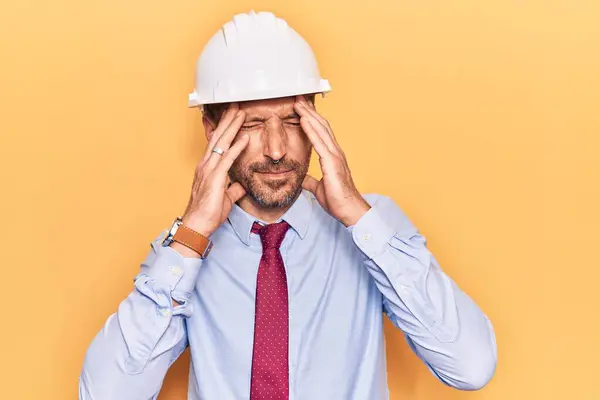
[[480, 118]]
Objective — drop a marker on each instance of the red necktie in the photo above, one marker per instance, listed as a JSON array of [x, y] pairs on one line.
[[270, 375]]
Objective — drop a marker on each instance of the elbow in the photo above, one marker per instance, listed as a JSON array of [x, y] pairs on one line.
[[477, 367], [478, 375], [469, 373], [482, 362], [472, 376]]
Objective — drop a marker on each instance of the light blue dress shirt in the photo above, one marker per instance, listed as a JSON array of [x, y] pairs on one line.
[[340, 282]]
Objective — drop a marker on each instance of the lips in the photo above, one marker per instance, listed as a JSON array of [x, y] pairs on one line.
[[275, 172]]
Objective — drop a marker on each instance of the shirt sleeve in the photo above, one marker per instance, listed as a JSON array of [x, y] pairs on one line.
[[130, 356], [442, 325]]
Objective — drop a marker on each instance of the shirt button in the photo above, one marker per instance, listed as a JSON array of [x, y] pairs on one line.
[[405, 288], [366, 237], [175, 270], [165, 312]]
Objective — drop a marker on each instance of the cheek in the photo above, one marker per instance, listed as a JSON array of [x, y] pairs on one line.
[[300, 138], [299, 146], [251, 153], [253, 145]]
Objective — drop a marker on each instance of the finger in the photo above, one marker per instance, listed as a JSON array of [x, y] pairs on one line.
[[316, 140], [227, 137], [310, 107], [209, 148], [225, 121], [232, 130], [235, 192], [226, 118], [319, 122], [232, 154], [322, 134], [309, 183]]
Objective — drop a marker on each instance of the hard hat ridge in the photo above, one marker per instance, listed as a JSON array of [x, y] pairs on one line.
[[255, 56]]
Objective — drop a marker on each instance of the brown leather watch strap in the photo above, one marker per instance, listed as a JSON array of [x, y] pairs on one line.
[[193, 240]]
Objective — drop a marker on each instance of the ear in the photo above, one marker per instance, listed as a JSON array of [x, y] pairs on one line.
[[209, 126]]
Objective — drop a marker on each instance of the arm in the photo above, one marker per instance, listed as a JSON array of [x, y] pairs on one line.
[[443, 326], [130, 356]]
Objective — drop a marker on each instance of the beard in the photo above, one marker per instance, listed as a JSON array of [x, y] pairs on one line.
[[271, 193]]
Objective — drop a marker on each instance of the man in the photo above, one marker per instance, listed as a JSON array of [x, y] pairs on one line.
[[289, 302]]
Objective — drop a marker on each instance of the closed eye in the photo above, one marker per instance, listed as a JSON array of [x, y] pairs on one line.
[[249, 127]]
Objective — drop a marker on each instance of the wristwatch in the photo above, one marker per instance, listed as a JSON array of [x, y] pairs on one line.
[[189, 238]]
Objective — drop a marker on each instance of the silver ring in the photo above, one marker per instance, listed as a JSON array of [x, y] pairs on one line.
[[218, 150]]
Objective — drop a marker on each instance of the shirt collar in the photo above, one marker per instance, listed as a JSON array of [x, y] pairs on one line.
[[298, 216]]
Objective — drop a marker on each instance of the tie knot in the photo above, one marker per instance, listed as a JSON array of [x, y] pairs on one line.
[[271, 235]]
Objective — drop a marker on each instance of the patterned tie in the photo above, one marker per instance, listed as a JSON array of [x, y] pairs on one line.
[[270, 355]]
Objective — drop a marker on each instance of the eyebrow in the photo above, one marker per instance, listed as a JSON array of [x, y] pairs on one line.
[[256, 118], [292, 116]]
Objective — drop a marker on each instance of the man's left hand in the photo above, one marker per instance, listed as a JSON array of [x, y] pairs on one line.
[[335, 191]]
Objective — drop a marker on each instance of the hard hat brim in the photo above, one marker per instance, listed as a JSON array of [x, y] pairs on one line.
[[322, 87]]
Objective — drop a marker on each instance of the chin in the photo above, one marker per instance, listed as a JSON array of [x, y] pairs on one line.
[[276, 194]]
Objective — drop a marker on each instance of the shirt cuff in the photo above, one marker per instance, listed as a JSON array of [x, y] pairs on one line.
[[169, 268], [371, 233]]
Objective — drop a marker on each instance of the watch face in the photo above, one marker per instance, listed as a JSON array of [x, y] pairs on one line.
[[207, 251], [169, 236], [167, 240]]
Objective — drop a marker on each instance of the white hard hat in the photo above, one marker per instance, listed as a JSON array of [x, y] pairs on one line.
[[255, 56]]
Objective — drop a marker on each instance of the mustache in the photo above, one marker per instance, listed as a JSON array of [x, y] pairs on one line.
[[269, 167]]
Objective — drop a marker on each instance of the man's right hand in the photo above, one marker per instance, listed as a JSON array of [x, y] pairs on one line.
[[211, 200]]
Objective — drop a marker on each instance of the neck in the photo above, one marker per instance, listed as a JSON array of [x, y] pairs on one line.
[[269, 215]]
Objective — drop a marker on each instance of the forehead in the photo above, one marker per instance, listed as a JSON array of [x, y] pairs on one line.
[[265, 108]]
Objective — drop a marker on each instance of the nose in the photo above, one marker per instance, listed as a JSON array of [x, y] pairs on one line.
[[275, 142]]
